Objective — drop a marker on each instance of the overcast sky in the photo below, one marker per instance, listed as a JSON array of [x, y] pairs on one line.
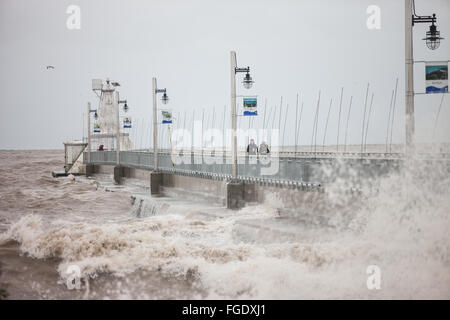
[[291, 46]]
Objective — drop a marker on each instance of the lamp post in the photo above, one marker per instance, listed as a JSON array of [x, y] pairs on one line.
[[116, 101], [89, 111], [165, 100], [125, 108], [433, 41], [247, 82]]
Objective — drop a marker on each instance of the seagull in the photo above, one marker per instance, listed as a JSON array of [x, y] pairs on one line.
[[50, 67]]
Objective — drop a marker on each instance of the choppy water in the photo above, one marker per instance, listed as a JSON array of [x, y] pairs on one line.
[[173, 248]]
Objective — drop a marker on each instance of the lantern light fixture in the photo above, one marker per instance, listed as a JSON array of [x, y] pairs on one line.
[[165, 98], [433, 38]]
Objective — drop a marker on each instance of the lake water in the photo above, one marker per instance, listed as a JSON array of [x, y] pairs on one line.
[[53, 230]]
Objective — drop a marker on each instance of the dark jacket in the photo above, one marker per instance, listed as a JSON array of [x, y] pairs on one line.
[[252, 149]]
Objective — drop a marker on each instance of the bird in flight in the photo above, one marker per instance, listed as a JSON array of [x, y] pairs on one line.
[[50, 67]]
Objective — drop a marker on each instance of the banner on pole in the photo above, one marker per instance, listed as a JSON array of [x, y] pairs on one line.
[[96, 128], [127, 122], [436, 75], [167, 116], [250, 106]]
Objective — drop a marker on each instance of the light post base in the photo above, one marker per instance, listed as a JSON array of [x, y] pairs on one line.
[[156, 179], [235, 195], [118, 174], [90, 169]]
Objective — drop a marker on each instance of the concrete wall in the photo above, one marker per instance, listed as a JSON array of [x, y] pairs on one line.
[[306, 200], [128, 172], [288, 199], [214, 190], [103, 169], [136, 173]]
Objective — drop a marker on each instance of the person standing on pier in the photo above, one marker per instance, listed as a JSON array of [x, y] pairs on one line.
[[264, 148], [252, 148]]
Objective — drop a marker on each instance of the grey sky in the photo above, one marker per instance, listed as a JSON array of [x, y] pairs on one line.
[[291, 46]]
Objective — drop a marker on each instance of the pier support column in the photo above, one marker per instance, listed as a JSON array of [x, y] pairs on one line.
[[118, 174], [90, 169], [155, 182], [235, 194], [250, 194]]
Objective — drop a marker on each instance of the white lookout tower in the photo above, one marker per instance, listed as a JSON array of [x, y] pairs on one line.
[[107, 123]]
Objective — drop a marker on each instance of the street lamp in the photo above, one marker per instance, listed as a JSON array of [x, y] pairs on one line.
[[165, 100], [119, 102], [432, 41], [247, 82], [89, 111]]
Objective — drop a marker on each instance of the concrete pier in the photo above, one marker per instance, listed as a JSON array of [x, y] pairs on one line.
[[156, 180], [219, 190]]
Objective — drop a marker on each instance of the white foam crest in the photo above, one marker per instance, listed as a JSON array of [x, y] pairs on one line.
[[167, 244]]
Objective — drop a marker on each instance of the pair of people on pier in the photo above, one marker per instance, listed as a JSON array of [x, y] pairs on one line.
[[252, 148]]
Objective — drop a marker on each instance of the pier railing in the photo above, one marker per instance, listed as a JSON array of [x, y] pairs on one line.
[[306, 168]]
